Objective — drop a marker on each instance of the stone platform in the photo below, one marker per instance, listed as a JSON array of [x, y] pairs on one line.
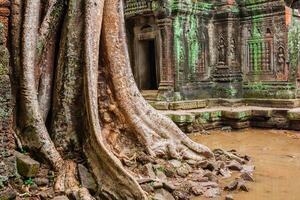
[[197, 115]]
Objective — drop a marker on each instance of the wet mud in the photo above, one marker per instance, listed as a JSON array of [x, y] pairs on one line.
[[275, 154]]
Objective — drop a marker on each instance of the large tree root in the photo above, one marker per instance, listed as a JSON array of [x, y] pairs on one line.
[[155, 131]]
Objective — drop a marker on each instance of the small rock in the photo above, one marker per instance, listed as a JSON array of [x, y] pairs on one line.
[[162, 194], [197, 190], [184, 170], [86, 178], [170, 170], [41, 181], [211, 176], [234, 165], [168, 186], [43, 196], [161, 175], [247, 176], [175, 163], [147, 188], [229, 197], [209, 184], [8, 194], [232, 186], [60, 198], [248, 169], [242, 185], [226, 128], [26, 166], [182, 195], [144, 159], [157, 184], [212, 192], [150, 171]]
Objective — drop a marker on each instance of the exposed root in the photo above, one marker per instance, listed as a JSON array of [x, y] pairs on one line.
[[158, 134]]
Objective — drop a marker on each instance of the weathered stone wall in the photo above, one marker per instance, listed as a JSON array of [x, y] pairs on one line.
[[4, 16], [220, 49], [7, 142]]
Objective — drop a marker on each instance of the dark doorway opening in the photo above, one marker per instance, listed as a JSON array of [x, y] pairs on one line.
[[148, 70]]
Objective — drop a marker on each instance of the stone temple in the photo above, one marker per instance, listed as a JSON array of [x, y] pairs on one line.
[[200, 49]]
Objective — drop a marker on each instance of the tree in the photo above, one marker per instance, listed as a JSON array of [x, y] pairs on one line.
[[76, 93]]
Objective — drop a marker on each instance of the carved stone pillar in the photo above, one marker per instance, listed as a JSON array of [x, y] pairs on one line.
[[166, 72]]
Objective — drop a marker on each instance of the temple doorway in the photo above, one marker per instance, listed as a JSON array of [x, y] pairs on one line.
[[148, 70]]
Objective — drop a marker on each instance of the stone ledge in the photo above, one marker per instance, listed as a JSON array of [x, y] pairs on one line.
[[237, 118], [211, 103]]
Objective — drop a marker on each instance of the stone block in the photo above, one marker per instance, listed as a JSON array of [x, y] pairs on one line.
[[261, 113], [183, 118], [26, 166], [161, 105], [236, 114], [86, 178], [184, 105], [294, 114]]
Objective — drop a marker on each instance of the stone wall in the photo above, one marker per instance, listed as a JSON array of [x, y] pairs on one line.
[[7, 142], [218, 49], [4, 15]]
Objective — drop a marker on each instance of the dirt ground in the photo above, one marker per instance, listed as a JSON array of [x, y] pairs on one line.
[[275, 154]]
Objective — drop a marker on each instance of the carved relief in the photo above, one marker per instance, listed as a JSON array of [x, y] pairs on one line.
[[232, 50], [222, 49]]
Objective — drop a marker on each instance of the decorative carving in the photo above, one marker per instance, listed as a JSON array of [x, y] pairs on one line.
[[281, 59], [222, 49], [232, 50]]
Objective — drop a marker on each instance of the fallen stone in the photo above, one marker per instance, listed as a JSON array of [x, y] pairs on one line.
[[150, 171], [197, 190], [232, 186], [26, 166], [8, 194], [168, 186], [43, 195], [41, 181], [157, 185], [170, 170], [209, 184], [147, 188], [248, 169], [182, 195], [234, 165], [162, 194], [242, 185], [212, 193], [247, 176], [184, 170], [229, 197], [211, 176], [60, 198], [161, 175], [225, 173], [86, 178], [175, 163]]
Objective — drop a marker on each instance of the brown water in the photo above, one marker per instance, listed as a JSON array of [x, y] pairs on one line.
[[275, 154]]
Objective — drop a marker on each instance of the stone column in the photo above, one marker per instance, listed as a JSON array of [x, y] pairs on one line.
[[166, 85]]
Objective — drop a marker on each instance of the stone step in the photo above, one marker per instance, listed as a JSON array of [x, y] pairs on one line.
[[237, 117], [210, 103]]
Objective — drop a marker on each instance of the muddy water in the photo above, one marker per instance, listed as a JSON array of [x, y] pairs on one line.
[[276, 155]]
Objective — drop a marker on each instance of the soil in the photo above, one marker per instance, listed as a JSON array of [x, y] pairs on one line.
[[275, 154]]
